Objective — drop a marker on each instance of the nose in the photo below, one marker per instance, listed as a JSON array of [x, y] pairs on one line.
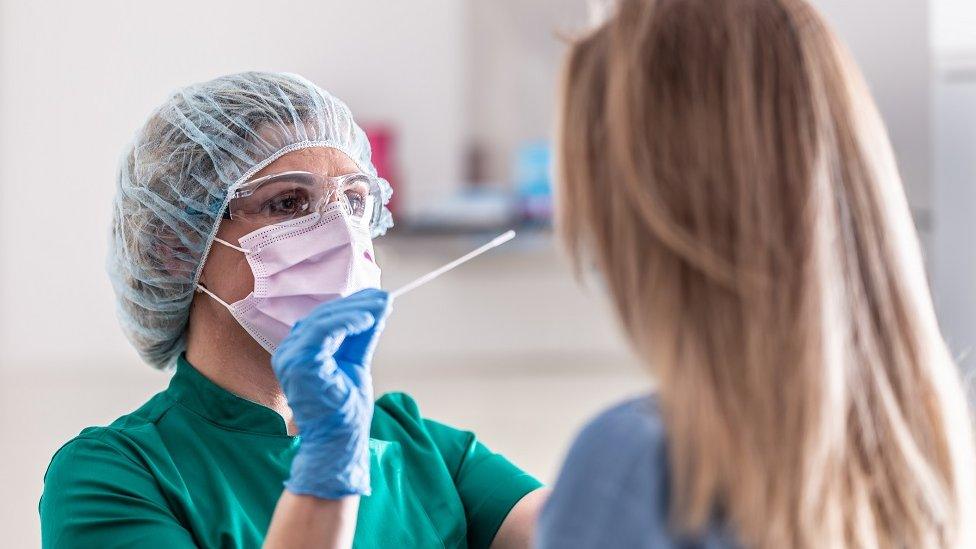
[[333, 198]]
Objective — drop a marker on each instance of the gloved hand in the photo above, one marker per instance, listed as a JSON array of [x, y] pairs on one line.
[[324, 370]]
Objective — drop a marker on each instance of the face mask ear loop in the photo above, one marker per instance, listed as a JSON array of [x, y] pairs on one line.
[[200, 288], [229, 245]]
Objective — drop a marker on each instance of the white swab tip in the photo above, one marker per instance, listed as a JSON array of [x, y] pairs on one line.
[[504, 237]]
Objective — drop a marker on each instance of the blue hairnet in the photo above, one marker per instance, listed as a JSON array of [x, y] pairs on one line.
[[175, 178]]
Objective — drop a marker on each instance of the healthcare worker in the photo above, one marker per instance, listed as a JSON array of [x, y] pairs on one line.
[[723, 165], [245, 211]]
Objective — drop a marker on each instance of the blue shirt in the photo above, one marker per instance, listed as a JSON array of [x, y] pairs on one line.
[[613, 488]]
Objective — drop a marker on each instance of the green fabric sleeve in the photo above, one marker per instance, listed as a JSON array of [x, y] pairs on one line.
[[96, 496], [489, 484]]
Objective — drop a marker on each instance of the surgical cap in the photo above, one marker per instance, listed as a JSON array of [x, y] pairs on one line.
[[175, 180]]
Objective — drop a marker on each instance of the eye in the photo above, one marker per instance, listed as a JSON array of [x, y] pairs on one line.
[[290, 203], [356, 200]]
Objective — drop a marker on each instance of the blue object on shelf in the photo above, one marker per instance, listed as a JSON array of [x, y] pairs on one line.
[[533, 180]]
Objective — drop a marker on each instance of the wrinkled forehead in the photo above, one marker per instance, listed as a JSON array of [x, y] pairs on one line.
[[323, 160]]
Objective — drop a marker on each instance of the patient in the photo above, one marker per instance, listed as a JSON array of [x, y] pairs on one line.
[[724, 166]]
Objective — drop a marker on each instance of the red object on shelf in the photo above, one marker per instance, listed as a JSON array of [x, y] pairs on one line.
[[382, 140]]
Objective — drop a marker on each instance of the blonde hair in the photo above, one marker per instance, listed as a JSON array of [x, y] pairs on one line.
[[724, 166]]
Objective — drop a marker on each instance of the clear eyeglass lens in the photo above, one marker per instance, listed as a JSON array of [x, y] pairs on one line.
[[279, 199], [297, 194], [360, 196]]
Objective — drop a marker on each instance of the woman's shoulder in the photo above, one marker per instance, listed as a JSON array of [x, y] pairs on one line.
[[624, 445], [612, 488], [103, 484], [120, 443], [101, 445], [633, 425], [617, 438], [100, 462]]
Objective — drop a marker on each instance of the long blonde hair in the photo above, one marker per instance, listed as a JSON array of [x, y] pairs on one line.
[[723, 164]]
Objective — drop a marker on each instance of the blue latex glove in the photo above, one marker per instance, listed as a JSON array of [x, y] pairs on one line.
[[324, 370]]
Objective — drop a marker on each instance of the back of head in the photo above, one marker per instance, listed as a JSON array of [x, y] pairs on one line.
[[175, 181], [725, 167]]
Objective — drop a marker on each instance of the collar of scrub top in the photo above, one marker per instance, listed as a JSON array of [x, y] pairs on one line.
[[194, 391]]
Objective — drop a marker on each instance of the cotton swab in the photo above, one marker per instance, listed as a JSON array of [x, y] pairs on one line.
[[495, 242]]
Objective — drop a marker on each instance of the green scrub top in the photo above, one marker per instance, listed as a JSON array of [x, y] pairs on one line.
[[200, 466]]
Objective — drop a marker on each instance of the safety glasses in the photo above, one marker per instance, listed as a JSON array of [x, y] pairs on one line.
[[288, 195]]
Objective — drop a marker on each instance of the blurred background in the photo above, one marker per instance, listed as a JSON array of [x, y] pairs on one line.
[[457, 96]]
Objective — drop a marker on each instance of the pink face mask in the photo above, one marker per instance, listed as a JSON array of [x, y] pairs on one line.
[[298, 265]]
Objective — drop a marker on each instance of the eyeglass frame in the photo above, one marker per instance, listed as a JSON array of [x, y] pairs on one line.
[[374, 189]]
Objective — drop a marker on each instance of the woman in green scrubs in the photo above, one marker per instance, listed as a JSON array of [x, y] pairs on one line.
[[202, 464]]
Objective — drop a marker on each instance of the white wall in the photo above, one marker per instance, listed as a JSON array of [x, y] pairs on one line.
[[955, 199], [890, 41], [515, 54], [954, 271], [953, 26], [78, 78]]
